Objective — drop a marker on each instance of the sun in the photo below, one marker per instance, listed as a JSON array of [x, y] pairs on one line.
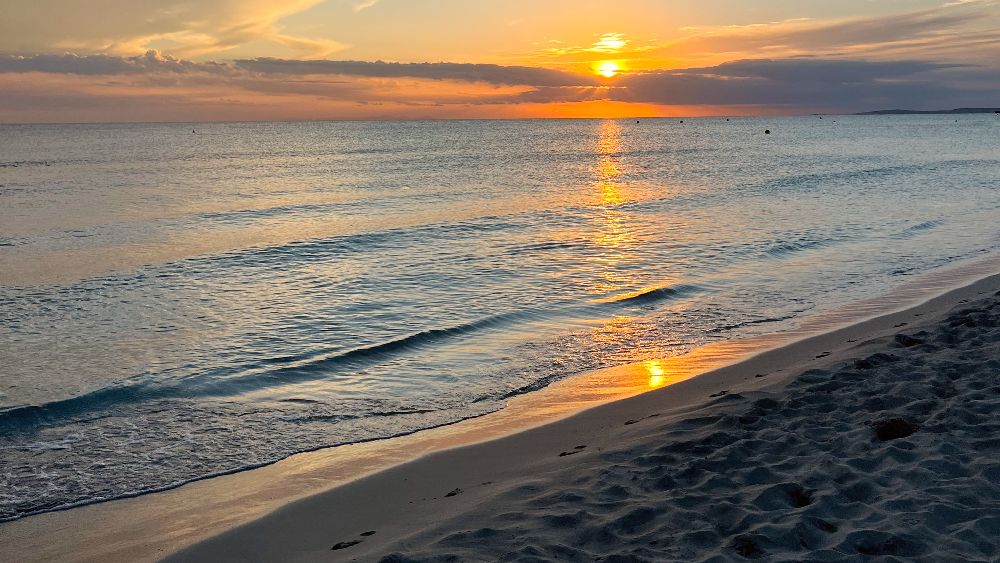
[[608, 69]]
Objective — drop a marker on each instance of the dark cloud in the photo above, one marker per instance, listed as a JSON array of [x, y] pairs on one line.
[[796, 84], [816, 70], [814, 83], [489, 73], [153, 62]]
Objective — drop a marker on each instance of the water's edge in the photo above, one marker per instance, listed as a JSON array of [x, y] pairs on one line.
[[564, 397]]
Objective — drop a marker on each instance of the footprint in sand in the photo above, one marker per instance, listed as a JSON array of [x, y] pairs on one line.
[[351, 543], [634, 420], [345, 545]]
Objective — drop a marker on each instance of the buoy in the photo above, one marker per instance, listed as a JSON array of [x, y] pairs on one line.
[[767, 131], [682, 121], [637, 121]]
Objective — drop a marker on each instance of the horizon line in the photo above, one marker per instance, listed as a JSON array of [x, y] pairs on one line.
[[403, 119]]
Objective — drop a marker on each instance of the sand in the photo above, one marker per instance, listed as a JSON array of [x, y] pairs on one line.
[[879, 439]]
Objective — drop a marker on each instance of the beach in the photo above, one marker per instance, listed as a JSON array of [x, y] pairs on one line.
[[354, 299], [872, 440], [287, 511]]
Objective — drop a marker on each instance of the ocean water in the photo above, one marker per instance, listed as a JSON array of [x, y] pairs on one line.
[[179, 301]]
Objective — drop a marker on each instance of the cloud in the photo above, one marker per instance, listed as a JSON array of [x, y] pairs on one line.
[[153, 62], [807, 83], [795, 85], [821, 71], [489, 73], [930, 34], [609, 43], [284, 88], [316, 48], [364, 5], [149, 63], [128, 27], [606, 44]]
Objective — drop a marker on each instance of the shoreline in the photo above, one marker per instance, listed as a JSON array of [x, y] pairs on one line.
[[524, 494], [152, 525]]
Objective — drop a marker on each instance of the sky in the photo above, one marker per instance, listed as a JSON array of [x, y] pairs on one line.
[[180, 60]]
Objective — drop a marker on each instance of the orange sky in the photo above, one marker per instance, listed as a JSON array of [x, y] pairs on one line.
[[150, 60]]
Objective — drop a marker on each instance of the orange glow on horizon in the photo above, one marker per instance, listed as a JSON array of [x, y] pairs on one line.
[[137, 100]]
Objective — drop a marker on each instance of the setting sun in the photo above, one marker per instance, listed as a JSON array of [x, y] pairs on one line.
[[608, 69]]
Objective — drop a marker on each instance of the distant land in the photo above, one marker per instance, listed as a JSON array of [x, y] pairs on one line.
[[909, 111]]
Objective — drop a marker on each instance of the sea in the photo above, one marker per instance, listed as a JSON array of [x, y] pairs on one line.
[[179, 301]]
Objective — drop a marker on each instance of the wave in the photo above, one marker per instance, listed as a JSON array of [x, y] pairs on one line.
[[545, 246], [324, 365], [654, 294], [246, 378], [287, 254], [806, 243], [917, 229], [783, 248], [10, 512], [283, 370], [734, 326]]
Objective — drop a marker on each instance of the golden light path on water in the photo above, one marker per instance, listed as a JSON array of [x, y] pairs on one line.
[[615, 235]]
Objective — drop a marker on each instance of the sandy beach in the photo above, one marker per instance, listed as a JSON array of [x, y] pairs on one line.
[[872, 440]]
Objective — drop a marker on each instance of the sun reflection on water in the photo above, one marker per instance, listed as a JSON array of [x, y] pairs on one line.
[[613, 235], [608, 170]]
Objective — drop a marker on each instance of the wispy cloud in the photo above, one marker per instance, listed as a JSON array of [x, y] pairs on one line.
[[606, 44], [364, 5], [930, 33], [609, 43], [128, 27]]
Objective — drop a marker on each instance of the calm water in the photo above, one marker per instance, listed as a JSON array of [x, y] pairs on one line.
[[176, 303]]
